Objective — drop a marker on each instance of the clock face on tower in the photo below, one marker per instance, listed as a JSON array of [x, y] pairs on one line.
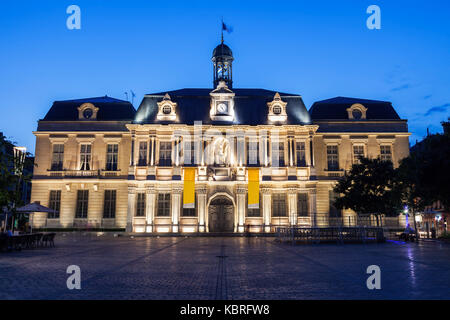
[[222, 107]]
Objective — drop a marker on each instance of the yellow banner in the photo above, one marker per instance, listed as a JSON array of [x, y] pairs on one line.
[[253, 188], [189, 188]]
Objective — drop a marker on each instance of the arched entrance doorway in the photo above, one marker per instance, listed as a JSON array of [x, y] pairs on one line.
[[221, 215]]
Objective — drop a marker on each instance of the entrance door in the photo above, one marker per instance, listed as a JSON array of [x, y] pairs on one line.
[[221, 215]]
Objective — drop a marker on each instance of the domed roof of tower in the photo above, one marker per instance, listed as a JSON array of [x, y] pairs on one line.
[[222, 50]]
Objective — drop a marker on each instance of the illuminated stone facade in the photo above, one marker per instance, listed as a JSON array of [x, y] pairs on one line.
[[102, 164]]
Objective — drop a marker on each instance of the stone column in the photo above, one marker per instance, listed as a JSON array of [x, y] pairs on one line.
[[150, 208], [291, 155], [152, 155], [241, 191], [176, 205], [292, 206], [131, 208], [132, 149], [313, 206], [267, 208], [201, 202], [240, 149]]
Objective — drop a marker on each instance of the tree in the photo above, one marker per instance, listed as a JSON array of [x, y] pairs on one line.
[[425, 173], [12, 177], [370, 187]]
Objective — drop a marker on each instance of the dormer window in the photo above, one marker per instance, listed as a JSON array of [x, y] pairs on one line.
[[167, 109], [357, 112], [87, 111], [277, 109]]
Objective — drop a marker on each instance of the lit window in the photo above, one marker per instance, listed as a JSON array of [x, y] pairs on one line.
[[386, 154], [140, 205], [358, 153], [189, 212], [279, 205], [81, 211], [188, 152], [111, 157], [252, 153], [332, 158], [165, 154], [54, 204], [109, 206], [57, 157], [302, 205], [85, 157], [163, 205], [142, 153], [277, 154], [300, 154], [255, 212]]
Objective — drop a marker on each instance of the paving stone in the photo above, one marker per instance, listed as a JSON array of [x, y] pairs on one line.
[[224, 268]]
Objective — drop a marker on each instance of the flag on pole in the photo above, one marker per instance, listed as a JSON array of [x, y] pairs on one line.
[[253, 188], [189, 188], [226, 28]]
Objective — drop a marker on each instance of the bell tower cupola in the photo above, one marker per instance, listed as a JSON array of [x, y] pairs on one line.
[[223, 65]]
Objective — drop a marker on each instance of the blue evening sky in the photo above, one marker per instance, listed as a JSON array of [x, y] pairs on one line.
[[319, 49]]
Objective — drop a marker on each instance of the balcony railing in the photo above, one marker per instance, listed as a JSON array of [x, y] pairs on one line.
[[75, 173]]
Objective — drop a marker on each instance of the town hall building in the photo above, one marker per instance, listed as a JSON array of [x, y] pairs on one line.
[[218, 159]]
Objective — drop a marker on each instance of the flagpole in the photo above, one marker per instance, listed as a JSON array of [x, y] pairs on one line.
[[221, 28]]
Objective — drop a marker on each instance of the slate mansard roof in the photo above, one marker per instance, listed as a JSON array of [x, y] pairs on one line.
[[336, 109], [331, 115], [110, 109], [250, 107]]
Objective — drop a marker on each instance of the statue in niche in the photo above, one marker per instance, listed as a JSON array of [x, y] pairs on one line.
[[221, 152]]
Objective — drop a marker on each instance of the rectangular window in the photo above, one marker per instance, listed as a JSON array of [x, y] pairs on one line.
[[82, 204], [358, 152], [302, 205], [85, 157], [300, 154], [279, 205], [163, 205], [278, 154], [386, 154], [112, 152], [255, 212], [165, 153], [57, 157], [54, 203], [140, 205], [189, 212], [109, 206], [188, 152], [252, 153], [334, 212], [142, 153], [332, 158]]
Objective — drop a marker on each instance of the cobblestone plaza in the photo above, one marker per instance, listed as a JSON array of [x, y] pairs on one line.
[[224, 268]]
